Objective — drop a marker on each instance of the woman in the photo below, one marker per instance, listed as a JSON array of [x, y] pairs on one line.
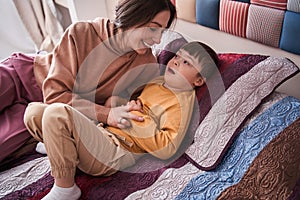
[[167, 104], [85, 69]]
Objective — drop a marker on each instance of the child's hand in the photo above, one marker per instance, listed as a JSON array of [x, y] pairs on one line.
[[120, 116], [135, 105]]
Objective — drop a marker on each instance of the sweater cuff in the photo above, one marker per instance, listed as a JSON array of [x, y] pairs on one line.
[[102, 113]]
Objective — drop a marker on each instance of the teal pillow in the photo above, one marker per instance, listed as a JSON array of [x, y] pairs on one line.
[[290, 32], [207, 13]]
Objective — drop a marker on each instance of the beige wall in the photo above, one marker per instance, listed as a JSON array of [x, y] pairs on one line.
[[90, 9]]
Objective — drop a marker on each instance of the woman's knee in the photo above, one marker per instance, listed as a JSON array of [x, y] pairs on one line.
[[33, 118], [57, 114], [57, 111]]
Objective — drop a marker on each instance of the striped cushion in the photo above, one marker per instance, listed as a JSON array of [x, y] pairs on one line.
[[264, 25], [290, 32], [293, 5], [279, 4], [233, 17], [245, 1], [186, 9]]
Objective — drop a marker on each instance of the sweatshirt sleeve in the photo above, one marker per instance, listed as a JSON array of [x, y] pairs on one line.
[[67, 57]]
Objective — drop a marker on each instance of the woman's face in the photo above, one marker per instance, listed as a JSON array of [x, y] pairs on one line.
[[141, 38]]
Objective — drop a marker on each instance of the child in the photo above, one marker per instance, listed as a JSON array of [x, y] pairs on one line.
[[72, 140]]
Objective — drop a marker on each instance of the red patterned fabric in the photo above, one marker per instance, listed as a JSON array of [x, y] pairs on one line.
[[279, 4], [233, 17], [264, 25]]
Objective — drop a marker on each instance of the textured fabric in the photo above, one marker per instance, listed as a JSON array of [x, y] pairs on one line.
[[232, 66], [233, 17], [17, 88], [278, 4], [251, 141], [99, 187], [290, 32], [186, 9], [169, 180], [274, 172], [293, 5], [85, 72], [213, 137], [188, 182], [35, 169], [173, 181], [296, 192], [264, 25], [207, 13]]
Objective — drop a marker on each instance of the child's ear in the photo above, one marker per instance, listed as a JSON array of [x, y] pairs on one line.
[[199, 82]]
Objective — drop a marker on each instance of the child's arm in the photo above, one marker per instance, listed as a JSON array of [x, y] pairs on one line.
[[161, 137]]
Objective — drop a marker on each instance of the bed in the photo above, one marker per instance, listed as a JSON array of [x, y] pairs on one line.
[[242, 143]]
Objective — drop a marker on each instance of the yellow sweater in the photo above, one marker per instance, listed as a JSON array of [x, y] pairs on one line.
[[166, 119]]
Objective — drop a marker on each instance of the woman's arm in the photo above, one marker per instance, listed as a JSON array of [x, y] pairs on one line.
[[59, 85]]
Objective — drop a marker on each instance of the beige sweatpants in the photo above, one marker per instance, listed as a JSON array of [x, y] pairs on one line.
[[72, 140]]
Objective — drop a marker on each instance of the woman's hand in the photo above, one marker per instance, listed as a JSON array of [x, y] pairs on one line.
[[120, 116]]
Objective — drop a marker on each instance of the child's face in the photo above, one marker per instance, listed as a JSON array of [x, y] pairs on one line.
[[181, 72]]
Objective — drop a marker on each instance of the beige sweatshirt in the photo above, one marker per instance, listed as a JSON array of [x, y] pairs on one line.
[[87, 67]]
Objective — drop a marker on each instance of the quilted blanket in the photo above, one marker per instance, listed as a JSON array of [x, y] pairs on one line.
[[262, 161]]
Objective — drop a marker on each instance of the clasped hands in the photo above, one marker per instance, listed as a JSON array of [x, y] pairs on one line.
[[120, 116]]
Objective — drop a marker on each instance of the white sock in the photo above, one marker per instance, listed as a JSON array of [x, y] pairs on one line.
[[40, 148], [59, 193]]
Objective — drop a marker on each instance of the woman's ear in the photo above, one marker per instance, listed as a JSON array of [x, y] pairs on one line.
[[199, 82]]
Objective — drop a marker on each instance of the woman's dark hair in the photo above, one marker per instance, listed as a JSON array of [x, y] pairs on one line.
[[206, 56], [131, 13]]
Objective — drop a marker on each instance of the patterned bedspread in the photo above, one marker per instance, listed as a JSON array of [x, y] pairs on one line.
[[262, 162]]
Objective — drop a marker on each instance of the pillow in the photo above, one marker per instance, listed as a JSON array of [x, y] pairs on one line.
[[209, 8], [231, 67], [233, 17], [264, 25], [293, 5], [290, 32], [186, 10], [279, 4], [247, 84]]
